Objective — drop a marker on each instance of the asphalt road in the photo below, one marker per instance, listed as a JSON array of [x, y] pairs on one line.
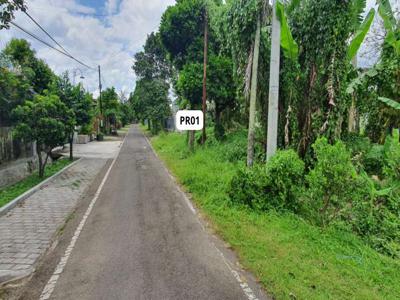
[[142, 241]]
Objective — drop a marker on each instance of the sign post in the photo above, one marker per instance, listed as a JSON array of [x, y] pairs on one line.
[[189, 120]]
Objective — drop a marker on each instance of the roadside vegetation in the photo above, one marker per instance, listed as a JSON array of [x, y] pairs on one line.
[[321, 218], [48, 108], [292, 258], [11, 192]]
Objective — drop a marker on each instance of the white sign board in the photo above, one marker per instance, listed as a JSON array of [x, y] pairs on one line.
[[189, 120]]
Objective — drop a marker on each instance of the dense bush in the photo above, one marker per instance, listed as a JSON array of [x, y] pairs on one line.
[[337, 191], [365, 155], [274, 186], [376, 218], [332, 183], [248, 185], [337, 194], [372, 160]]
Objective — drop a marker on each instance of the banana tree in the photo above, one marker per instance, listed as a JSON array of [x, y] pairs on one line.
[[383, 78], [362, 28], [389, 22]]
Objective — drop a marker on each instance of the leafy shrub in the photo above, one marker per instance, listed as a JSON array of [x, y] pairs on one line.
[[391, 155], [86, 129], [285, 171], [365, 155], [331, 183], [376, 219], [248, 185], [373, 160], [237, 150], [274, 186], [357, 144]]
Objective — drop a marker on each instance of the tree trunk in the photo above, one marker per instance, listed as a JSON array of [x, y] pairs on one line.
[[352, 127], [40, 158], [191, 140], [71, 149], [352, 123], [253, 97]]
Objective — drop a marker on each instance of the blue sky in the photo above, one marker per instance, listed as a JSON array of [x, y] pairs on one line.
[[93, 3], [97, 32]]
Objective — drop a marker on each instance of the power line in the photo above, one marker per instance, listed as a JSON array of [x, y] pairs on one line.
[[48, 45], [48, 34]]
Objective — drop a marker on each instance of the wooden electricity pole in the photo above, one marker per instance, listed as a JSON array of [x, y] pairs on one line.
[[204, 136], [272, 137]]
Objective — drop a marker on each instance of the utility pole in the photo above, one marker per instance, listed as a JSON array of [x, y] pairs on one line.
[[101, 104], [272, 137], [204, 137]]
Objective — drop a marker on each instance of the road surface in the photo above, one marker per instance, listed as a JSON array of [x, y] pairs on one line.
[[142, 240]]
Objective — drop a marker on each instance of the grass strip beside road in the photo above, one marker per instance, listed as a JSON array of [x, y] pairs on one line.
[[11, 192], [291, 258]]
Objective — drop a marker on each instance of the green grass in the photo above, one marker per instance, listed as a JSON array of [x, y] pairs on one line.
[[291, 258], [9, 193]]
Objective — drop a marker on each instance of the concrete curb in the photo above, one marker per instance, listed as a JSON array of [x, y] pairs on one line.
[[5, 209]]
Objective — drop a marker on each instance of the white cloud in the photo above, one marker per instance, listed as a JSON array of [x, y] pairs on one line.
[[112, 6], [110, 42]]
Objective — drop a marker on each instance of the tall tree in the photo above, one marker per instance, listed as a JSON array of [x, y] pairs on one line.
[[111, 109], [152, 63], [78, 101], [190, 89], [43, 120], [35, 70], [182, 32], [221, 90], [253, 95], [14, 90], [319, 103], [150, 102], [248, 45]]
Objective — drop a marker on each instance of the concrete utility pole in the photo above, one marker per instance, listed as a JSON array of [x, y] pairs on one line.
[[101, 104], [272, 138], [204, 137]]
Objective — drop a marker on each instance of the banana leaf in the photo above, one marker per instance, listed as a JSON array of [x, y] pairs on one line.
[[390, 102], [288, 44], [360, 35]]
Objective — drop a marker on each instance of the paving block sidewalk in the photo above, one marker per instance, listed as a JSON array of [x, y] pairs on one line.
[[27, 230]]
